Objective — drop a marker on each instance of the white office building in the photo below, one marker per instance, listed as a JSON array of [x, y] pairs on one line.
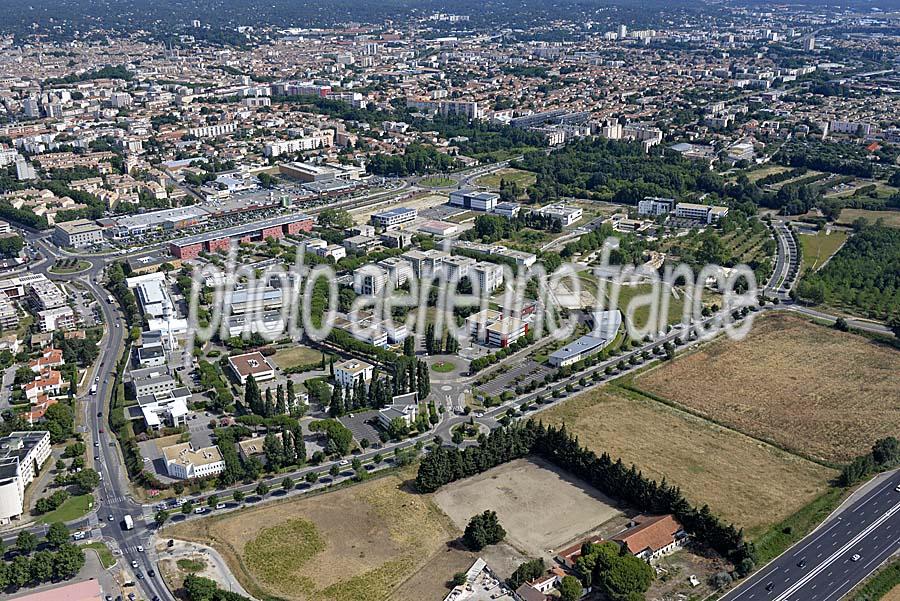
[[566, 214], [654, 206], [706, 213], [184, 463], [394, 217], [473, 200], [369, 280], [21, 456], [348, 373], [489, 276]]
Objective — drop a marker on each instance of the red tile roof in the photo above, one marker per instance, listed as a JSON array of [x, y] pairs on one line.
[[651, 532]]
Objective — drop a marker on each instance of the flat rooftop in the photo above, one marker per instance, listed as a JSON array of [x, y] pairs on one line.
[[184, 454], [240, 230]]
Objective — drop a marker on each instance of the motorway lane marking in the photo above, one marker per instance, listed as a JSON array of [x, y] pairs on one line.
[[874, 494], [835, 591], [835, 556]]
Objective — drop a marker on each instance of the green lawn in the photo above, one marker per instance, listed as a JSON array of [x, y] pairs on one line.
[[437, 181], [817, 249], [642, 313], [106, 556], [443, 367], [190, 565], [71, 509], [60, 268]]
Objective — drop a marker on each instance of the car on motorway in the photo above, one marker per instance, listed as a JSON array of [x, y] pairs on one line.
[[220, 505], [199, 510], [140, 548], [770, 586], [134, 563], [898, 488], [856, 557], [801, 563], [140, 575], [151, 572], [109, 517]]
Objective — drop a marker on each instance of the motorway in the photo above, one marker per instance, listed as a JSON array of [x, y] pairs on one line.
[[821, 567], [116, 499]]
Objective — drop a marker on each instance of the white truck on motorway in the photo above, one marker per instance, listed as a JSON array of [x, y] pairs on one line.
[[129, 523]]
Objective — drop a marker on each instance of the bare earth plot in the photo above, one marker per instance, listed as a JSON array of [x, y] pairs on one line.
[[808, 388], [744, 481], [355, 544], [540, 507]]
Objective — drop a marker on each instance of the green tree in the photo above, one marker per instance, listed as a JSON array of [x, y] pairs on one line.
[[42, 566], [570, 589], [200, 589], [482, 530], [252, 396], [26, 542], [238, 496], [86, 480], [160, 518], [262, 489], [526, 572], [287, 484], [20, 571], [57, 535]]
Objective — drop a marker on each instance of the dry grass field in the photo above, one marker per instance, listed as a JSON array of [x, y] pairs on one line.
[[746, 482], [540, 507], [893, 595], [522, 178], [808, 388], [295, 356], [848, 216], [355, 544]]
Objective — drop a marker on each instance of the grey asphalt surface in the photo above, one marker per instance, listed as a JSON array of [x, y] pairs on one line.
[[869, 527], [875, 544]]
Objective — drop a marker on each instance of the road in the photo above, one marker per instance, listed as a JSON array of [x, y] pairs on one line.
[[781, 282], [116, 500], [821, 567], [114, 492]]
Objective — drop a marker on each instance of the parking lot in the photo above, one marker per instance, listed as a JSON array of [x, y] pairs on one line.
[[359, 424], [524, 372]]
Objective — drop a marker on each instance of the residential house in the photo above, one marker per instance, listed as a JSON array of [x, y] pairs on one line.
[[652, 537]]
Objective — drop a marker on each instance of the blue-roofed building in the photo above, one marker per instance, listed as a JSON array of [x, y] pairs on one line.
[[606, 326], [394, 217]]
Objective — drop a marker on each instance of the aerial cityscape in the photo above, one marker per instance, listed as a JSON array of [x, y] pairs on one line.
[[466, 301]]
